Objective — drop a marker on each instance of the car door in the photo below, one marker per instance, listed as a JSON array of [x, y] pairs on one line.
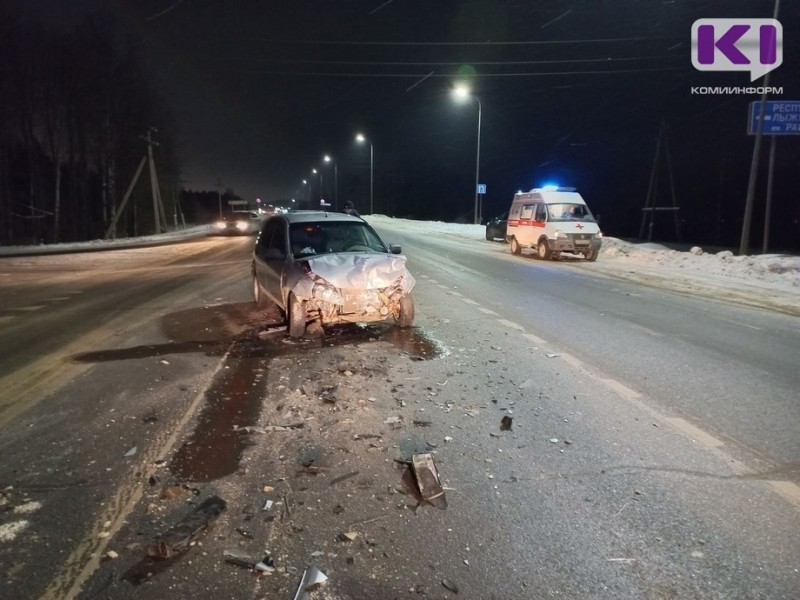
[[272, 258]]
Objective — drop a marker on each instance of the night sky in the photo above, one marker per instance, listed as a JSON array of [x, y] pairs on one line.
[[572, 92]]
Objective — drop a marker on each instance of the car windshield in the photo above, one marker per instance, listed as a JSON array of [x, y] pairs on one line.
[[569, 212], [309, 239]]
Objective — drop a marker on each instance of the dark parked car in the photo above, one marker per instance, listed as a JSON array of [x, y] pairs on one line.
[[330, 268], [496, 228]]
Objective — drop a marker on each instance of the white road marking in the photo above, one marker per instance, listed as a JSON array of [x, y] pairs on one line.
[[487, 311], [569, 359], [787, 489], [621, 389], [534, 338], [27, 308], [468, 301], [6, 319], [740, 324], [511, 324], [695, 433]]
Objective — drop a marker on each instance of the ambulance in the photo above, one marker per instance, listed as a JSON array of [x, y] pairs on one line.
[[552, 220]]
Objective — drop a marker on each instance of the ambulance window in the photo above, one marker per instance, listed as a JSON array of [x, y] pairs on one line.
[[527, 211], [541, 212]]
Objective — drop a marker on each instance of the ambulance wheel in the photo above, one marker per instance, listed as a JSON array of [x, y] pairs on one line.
[[515, 247], [543, 250], [591, 255]]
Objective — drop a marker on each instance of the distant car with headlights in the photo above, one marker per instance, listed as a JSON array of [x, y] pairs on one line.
[[330, 268], [239, 223]]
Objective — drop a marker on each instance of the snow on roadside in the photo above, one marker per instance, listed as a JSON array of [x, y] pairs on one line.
[[763, 280]]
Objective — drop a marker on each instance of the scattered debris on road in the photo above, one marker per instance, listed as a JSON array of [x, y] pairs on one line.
[[177, 540], [312, 579], [427, 479], [265, 565], [505, 423], [450, 585]]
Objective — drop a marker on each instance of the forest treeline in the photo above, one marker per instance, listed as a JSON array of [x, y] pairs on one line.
[[75, 107]]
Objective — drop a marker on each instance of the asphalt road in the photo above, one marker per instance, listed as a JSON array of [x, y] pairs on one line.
[[653, 453]]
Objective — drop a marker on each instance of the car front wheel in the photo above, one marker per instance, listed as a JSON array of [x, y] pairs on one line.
[[406, 316], [515, 247], [296, 315], [543, 250], [591, 255]]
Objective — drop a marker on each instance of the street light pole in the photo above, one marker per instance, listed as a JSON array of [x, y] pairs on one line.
[[361, 138], [463, 92], [478, 163]]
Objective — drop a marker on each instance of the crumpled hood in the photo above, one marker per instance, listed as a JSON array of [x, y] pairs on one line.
[[362, 272]]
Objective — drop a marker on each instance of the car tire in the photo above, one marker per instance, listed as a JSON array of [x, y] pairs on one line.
[[406, 316], [515, 247], [296, 317], [543, 250], [489, 235], [591, 255], [258, 298]]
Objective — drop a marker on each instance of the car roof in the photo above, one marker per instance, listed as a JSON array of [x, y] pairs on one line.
[[314, 216]]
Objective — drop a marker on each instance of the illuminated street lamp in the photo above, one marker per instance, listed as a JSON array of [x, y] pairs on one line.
[[361, 139], [463, 93], [328, 159]]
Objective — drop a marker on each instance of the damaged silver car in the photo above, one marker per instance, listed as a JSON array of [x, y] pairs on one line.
[[330, 268]]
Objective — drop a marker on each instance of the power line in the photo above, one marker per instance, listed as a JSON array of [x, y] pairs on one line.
[[486, 43], [453, 63], [451, 75]]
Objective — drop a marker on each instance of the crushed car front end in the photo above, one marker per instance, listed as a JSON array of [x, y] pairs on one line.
[[351, 288]]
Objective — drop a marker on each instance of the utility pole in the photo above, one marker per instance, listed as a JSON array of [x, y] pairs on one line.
[[158, 206], [744, 244]]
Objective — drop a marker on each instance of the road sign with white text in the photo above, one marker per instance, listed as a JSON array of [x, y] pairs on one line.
[[781, 117], [481, 188]]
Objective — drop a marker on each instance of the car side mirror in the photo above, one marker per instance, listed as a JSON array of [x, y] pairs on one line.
[[395, 248]]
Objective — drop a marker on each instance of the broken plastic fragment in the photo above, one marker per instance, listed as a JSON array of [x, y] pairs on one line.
[[312, 578], [450, 585], [430, 487], [132, 451]]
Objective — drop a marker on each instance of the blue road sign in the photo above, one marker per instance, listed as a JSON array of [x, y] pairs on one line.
[[780, 118], [481, 188]]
